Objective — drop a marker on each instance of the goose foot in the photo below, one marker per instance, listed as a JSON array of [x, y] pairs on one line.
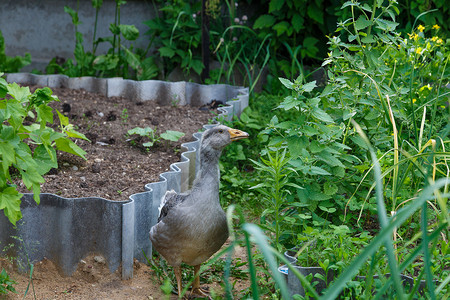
[[199, 292]]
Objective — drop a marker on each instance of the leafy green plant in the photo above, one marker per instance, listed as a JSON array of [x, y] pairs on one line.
[[27, 145], [276, 171], [153, 137], [147, 132], [172, 135], [117, 61], [11, 64], [6, 283], [176, 35], [369, 64], [337, 245]]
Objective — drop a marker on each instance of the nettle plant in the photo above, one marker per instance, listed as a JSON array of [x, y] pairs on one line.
[[27, 145], [395, 89]]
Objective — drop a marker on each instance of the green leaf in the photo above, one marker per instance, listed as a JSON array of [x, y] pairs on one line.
[[7, 154], [315, 13], [63, 120], [171, 135], [73, 14], [97, 4], [347, 114], [44, 114], [73, 133], [264, 21], [321, 115], [3, 86], [66, 145], [386, 25], [106, 62], [359, 141], [19, 93], [313, 170], [16, 112], [330, 159], [148, 144], [45, 158], [197, 66], [296, 144], [132, 59], [42, 96], [330, 188], [362, 23], [318, 196], [328, 210], [141, 131], [166, 51], [114, 29], [129, 32], [316, 147], [281, 28], [308, 87], [79, 54], [275, 5], [286, 82], [10, 203], [297, 22], [368, 39]]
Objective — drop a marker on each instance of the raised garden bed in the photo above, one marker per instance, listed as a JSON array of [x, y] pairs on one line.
[[64, 229]]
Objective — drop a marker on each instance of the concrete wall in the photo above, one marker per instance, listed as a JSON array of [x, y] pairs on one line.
[[43, 29]]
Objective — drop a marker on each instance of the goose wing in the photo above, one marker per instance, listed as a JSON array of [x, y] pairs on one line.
[[170, 200]]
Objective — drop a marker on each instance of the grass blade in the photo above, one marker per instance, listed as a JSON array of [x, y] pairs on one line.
[[261, 241]]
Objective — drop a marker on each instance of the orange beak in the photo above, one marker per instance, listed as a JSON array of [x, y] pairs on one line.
[[236, 134]]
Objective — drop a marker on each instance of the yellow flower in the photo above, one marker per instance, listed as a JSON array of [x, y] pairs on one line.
[[428, 87], [436, 26], [420, 28], [439, 41], [414, 100], [418, 50], [434, 38]]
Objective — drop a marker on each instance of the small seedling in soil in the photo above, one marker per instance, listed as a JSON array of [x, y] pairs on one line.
[[147, 132], [124, 115], [175, 100]]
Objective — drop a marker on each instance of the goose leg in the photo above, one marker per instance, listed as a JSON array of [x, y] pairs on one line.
[[177, 271], [196, 289]]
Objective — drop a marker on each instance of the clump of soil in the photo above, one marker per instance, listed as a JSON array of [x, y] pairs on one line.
[[117, 166]]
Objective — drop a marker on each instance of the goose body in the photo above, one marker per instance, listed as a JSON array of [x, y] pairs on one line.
[[192, 226]]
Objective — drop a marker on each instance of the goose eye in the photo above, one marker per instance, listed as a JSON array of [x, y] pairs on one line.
[[220, 130]]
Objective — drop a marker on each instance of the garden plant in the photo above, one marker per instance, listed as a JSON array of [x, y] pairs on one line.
[[28, 144]]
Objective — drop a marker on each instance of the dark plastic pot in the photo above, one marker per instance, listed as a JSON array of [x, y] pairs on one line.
[[295, 287]]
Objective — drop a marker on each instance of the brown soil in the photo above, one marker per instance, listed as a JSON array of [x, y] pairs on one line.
[[92, 280], [114, 170]]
